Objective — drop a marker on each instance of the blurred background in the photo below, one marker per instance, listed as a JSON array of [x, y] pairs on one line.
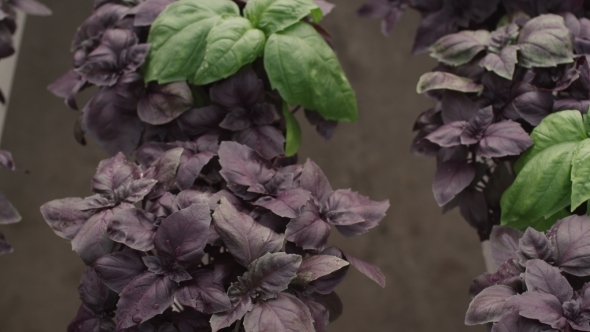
[[429, 258]]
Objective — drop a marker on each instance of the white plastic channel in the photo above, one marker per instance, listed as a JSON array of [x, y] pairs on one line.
[[8, 67]]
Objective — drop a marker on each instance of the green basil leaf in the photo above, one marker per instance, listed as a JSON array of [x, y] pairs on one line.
[[275, 15], [231, 44], [557, 128], [541, 189], [293, 137], [543, 225], [179, 38], [438, 80], [459, 48], [306, 72], [545, 41], [581, 174]]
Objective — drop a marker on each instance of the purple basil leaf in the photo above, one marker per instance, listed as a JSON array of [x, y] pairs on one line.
[[163, 266], [545, 308], [189, 170], [369, 270], [448, 135], [432, 28], [148, 11], [146, 296], [8, 214], [113, 173], [242, 90], [270, 220], [320, 315], [270, 274], [94, 293], [569, 238], [240, 119], [67, 86], [164, 170], [163, 206], [243, 237], [163, 103], [308, 230], [133, 227], [314, 181], [268, 141], [103, 18], [457, 107], [287, 204], [97, 202], [242, 165], [474, 131], [326, 128], [118, 269], [286, 313], [506, 138], [190, 320], [571, 104], [5, 247], [474, 208], [489, 305], [503, 63], [240, 306], [106, 119], [186, 198], [199, 121], [7, 161], [118, 54], [318, 266], [504, 242], [31, 7], [513, 322], [149, 152], [544, 278], [346, 207], [224, 268], [331, 302], [450, 179], [508, 274], [92, 242], [389, 12], [87, 320], [135, 191], [534, 245], [182, 236], [202, 294], [533, 106]]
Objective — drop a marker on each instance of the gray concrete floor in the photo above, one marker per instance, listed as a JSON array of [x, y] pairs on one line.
[[429, 259]]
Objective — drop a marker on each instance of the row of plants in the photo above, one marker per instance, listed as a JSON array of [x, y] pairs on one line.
[[8, 26], [203, 220], [510, 135]]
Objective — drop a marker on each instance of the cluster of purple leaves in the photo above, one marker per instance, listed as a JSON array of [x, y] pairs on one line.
[[8, 24], [542, 282], [109, 50], [444, 17], [490, 96], [8, 214], [205, 236]]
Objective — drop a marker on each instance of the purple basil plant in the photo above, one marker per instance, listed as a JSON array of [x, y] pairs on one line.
[[542, 282], [203, 220], [8, 214], [504, 66]]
